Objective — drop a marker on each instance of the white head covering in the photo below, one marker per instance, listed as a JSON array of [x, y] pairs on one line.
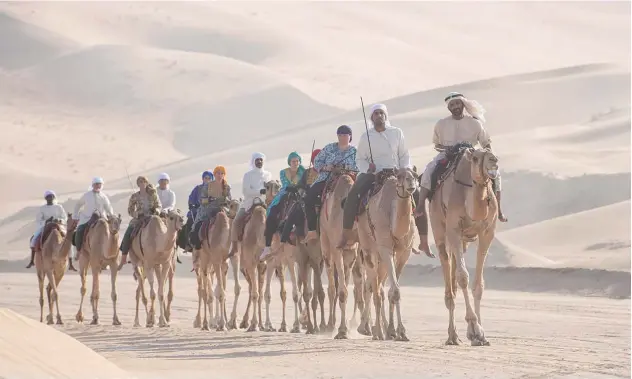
[[49, 193], [382, 107], [164, 176], [97, 180], [254, 157], [472, 107]]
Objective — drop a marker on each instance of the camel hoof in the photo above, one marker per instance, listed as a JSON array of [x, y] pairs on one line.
[[342, 335], [253, 328], [59, 321], [453, 341], [95, 321], [283, 328], [116, 321], [321, 329], [136, 324], [310, 330], [79, 317], [391, 334], [480, 342], [402, 337], [221, 328], [163, 324], [205, 326], [377, 334], [244, 324], [49, 320], [364, 330], [296, 329], [197, 322]]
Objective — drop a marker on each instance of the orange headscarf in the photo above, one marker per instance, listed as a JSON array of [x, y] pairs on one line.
[[221, 169]]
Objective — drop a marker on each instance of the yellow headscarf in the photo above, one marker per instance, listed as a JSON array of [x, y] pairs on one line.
[[221, 169]]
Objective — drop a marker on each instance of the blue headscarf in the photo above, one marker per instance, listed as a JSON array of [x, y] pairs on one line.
[[209, 174], [293, 155]]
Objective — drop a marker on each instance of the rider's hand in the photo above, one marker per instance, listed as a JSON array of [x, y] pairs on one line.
[[372, 168], [328, 167]]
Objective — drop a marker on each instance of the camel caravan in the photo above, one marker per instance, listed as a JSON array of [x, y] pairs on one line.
[[353, 214]]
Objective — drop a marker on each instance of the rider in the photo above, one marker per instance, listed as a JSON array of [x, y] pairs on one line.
[[50, 210], [253, 187], [141, 204], [335, 155], [194, 204], [167, 199], [93, 201], [212, 196], [297, 216], [290, 177], [458, 127], [388, 151]]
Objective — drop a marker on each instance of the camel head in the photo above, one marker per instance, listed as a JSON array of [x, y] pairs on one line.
[[176, 218], [70, 223], [272, 188], [233, 207], [114, 223], [407, 180], [484, 164]]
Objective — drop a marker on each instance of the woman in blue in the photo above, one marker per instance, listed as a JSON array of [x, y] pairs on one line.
[[340, 154], [289, 177]]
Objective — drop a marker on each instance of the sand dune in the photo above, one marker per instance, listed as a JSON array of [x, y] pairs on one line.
[[26, 348], [120, 89]]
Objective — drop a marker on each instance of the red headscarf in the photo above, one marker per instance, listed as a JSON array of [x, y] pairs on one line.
[[314, 154]]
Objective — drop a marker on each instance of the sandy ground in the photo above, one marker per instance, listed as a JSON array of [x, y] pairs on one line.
[[120, 89]]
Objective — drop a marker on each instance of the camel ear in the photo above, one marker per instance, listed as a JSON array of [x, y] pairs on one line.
[[469, 153]]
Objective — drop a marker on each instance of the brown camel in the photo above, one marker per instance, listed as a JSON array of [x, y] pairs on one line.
[[309, 259], [152, 253], [386, 230], [99, 250], [250, 247], [462, 210], [51, 262], [339, 260], [212, 260]]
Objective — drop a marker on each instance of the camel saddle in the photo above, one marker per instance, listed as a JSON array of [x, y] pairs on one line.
[[445, 166], [89, 225], [330, 184], [247, 218], [208, 223], [139, 225], [48, 228], [380, 178]]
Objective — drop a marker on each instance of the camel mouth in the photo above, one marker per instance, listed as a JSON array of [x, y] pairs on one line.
[[492, 173]]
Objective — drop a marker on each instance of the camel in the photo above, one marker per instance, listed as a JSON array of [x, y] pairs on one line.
[[250, 247], [100, 249], [309, 259], [462, 210], [386, 230], [152, 253], [211, 259], [339, 260], [51, 262]]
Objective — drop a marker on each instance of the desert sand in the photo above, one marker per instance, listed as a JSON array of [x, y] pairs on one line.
[[117, 89]]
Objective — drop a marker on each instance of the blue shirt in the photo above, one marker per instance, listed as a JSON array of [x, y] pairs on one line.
[[332, 155]]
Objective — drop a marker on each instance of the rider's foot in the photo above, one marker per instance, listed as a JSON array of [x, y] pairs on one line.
[[501, 216], [266, 253], [31, 264], [423, 246], [311, 235]]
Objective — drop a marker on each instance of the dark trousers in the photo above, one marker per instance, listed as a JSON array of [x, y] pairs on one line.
[[310, 203], [422, 221], [296, 217], [361, 186], [79, 236], [272, 222], [127, 239]]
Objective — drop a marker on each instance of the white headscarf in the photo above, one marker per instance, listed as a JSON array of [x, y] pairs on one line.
[[375, 107], [164, 176], [254, 157], [49, 193], [472, 107], [96, 180]]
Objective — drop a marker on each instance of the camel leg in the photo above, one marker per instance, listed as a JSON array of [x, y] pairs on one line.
[[358, 292], [365, 319], [198, 317], [151, 315], [51, 290], [283, 295], [113, 295], [296, 328], [378, 333], [170, 275], [94, 296], [234, 262], [261, 281], [401, 331], [268, 297], [40, 281], [162, 270], [474, 331], [308, 295], [139, 291], [221, 299], [479, 284], [245, 322], [204, 294], [58, 277], [83, 273], [331, 292], [210, 295], [343, 280], [320, 293], [254, 297]]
